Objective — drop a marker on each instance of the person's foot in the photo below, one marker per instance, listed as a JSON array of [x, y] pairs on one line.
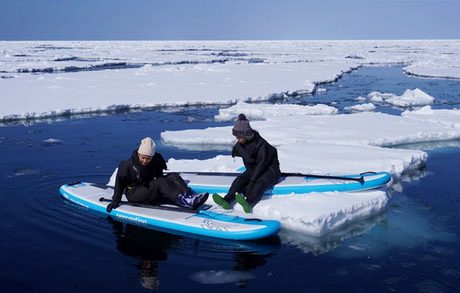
[[191, 200], [244, 203], [221, 201], [199, 200]]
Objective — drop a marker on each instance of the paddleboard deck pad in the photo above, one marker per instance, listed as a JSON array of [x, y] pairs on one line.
[[200, 222], [215, 183]]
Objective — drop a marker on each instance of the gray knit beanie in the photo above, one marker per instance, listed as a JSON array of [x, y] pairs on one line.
[[242, 128]]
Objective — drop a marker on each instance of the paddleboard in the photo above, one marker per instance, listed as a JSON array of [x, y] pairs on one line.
[[169, 218], [220, 183]]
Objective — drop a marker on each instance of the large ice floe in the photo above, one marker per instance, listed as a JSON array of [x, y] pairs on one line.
[[325, 144]]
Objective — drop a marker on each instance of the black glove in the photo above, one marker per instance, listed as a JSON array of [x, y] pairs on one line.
[[112, 205]]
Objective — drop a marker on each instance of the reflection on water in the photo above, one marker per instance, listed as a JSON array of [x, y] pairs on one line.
[[429, 146], [222, 277], [150, 248], [147, 246], [409, 175], [405, 225], [326, 243]]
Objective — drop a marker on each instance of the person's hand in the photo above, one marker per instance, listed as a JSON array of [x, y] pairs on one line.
[[112, 205]]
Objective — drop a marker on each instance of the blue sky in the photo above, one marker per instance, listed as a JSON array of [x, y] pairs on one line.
[[228, 19]]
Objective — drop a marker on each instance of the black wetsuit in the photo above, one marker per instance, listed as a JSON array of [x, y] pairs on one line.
[[147, 184], [262, 169]]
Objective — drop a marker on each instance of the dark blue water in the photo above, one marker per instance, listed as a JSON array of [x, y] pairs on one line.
[[51, 245], [363, 81]]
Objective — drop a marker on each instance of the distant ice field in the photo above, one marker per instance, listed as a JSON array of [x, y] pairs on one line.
[[50, 78]]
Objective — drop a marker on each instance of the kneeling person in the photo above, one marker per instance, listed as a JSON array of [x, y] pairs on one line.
[[142, 180]]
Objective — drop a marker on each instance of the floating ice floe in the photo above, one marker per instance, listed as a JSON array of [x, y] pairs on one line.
[[267, 111], [366, 128], [414, 97], [361, 108], [32, 96], [442, 116], [325, 144]]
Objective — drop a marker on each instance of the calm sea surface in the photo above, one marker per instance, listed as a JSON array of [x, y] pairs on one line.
[[51, 245]]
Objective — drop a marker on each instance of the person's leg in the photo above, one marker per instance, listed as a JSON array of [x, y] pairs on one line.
[[174, 188], [179, 183], [163, 188], [238, 185], [138, 194], [254, 195]]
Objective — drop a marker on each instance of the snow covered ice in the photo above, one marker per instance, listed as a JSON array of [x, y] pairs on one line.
[[48, 79], [414, 97], [346, 144], [42, 79]]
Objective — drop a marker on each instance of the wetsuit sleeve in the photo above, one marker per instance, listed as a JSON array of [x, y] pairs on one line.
[[265, 157], [120, 181], [239, 151]]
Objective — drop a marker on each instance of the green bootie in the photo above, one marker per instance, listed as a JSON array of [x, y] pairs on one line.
[[244, 203], [221, 201]]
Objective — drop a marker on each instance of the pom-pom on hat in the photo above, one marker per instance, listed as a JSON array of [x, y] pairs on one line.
[[147, 147], [242, 128]]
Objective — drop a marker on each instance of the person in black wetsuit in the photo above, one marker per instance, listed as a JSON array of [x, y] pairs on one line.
[[262, 167], [142, 180]]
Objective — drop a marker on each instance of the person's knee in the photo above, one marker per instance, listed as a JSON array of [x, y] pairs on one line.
[[173, 176], [138, 195]]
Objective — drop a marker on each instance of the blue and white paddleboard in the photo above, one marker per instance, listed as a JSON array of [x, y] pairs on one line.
[[200, 222], [215, 183]]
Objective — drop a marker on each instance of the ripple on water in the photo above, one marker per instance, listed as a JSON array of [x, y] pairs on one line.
[[394, 280], [221, 277], [25, 171], [429, 286]]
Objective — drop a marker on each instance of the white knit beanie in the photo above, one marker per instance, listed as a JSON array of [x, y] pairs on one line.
[[147, 147]]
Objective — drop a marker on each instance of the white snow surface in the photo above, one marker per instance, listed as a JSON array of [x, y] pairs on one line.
[[327, 144], [415, 97], [366, 128], [265, 111], [361, 107], [450, 118], [51, 78]]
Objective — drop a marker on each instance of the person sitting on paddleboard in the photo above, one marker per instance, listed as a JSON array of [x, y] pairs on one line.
[[142, 180], [262, 167]]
